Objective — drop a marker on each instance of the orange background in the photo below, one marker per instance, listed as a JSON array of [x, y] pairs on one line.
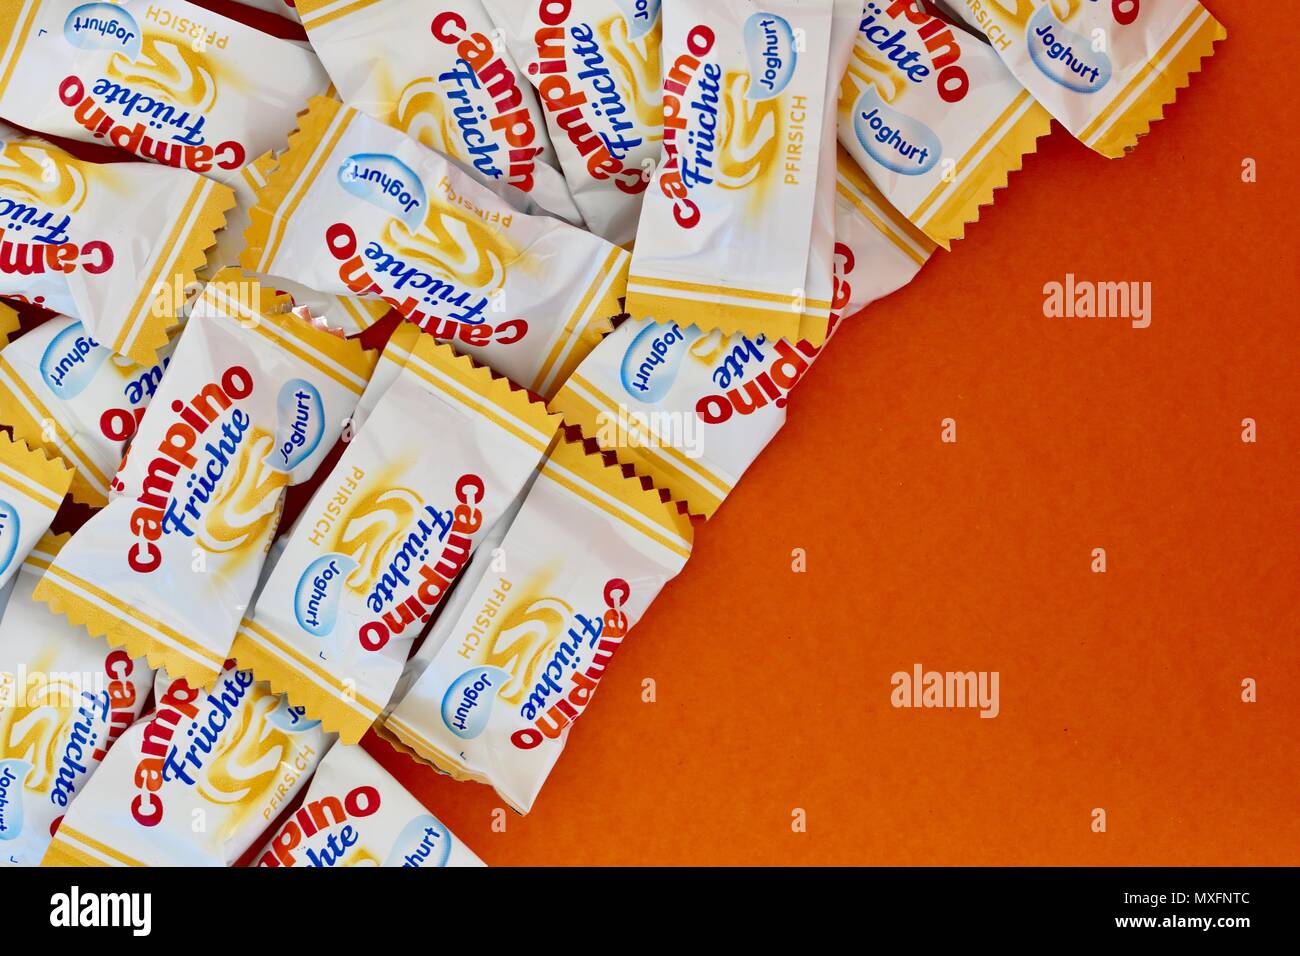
[[1119, 690]]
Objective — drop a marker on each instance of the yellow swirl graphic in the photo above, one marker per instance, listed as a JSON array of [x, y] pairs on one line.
[[748, 144], [423, 115], [525, 637], [42, 175], [247, 762], [458, 245], [375, 524], [248, 754], [707, 349], [244, 508], [637, 65], [867, 69], [361, 857], [181, 74], [37, 722]]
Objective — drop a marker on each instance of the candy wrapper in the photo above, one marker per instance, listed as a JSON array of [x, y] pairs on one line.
[[356, 814], [195, 782], [587, 554], [356, 207], [252, 402], [1105, 70], [596, 68], [387, 534], [64, 700], [725, 235], [933, 117], [165, 80], [113, 244], [31, 490], [431, 69], [692, 410], [64, 392]]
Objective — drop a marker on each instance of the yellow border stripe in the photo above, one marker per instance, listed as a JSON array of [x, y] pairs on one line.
[[20, 41], [343, 118], [324, 18], [428, 749], [699, 498], [994, 130], [729, 292], [471, 399], [65, 443], [885, 229], [202, 654], [730, 318], [683, 460], [1151, 65], [580, 315], [293, 346], [647, 525], [95, 845], [149, 290], [22, 483], [305, 665]]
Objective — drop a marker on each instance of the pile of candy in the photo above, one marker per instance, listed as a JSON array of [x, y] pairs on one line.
[[620, 233]]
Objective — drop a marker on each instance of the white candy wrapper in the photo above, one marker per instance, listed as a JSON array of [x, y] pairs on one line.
[[64, 700], [253, 401], [933, 117], [31, 490], [725, 236], [165, 80], [358, 208], [64, 392], [1106, 70], [356, 814], [586, 555], [431, 69], [195, 782], [386, 536], [116, 245], [690, 410], [595, 65]]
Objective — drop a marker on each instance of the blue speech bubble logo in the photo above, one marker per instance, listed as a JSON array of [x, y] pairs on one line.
[[300, 424], [467, 704], [103, 26], [316, 596], [769, 45], [70, 361], [653, 360], [387, 182], [1065, 56], [639, 15], [895, 140], [423, 843]]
